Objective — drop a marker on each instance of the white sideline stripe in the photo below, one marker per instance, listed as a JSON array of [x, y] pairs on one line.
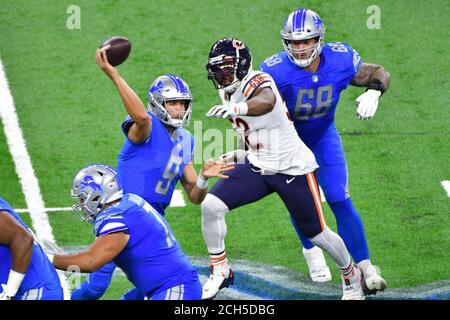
[[24, 168], [46, 210], [177, 201], [446, 185]]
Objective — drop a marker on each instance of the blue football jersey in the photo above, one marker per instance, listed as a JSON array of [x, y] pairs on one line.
[[152, 259], [40, 273], [311, 97], [152, 169]]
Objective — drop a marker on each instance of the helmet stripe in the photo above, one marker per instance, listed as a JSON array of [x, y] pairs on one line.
[[178, 83], [294, 20], [303, 19], [174, 80]]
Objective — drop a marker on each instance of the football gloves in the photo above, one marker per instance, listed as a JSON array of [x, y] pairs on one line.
[[367, 104], [227, 111]]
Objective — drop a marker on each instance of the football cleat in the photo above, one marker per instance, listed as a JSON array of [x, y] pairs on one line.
[[352, 286], [220, 277], [318, 269], [373, 282]]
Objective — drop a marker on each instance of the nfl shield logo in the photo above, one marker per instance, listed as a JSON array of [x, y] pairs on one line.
[[315, 79]]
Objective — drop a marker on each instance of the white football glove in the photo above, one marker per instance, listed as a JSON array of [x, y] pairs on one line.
[[226, 111], [236, 156], [367, 104], [5, 295]]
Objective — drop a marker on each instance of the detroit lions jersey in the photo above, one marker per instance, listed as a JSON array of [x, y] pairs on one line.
[[273, 144], [152, 259], [40, 273], [311, 97], [152, 169]]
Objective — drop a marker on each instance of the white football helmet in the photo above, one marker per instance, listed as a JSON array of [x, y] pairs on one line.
[[94, 186], [302, 24]]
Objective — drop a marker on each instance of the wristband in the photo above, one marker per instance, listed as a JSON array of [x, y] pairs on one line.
[[202, 183], [242, 108], [14, 282], [376, 84]]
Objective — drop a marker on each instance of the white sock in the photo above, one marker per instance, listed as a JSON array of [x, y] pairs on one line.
[[333, 244], [214, 227]]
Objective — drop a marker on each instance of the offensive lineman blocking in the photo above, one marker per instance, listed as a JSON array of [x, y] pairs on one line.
[[310, 76]]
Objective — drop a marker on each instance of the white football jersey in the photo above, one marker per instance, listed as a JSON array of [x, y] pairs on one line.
[[272, 141]]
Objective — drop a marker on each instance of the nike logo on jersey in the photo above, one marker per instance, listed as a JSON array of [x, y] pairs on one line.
[[289, 180]]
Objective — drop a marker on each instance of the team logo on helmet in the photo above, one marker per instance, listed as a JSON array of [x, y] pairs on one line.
[[238, 44], [89, 182]]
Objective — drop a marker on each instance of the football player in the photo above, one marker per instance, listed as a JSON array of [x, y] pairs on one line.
[[310, 75], [277, 161], [132, 234], [25, 271], [156, 154]]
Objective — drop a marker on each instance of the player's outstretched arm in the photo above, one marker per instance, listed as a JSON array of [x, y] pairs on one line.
[[376, 80], [103, 250], [141, 128], [20, 243], [196, 187], [263, 102]]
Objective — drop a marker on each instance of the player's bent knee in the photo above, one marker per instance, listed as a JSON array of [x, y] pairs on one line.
[[335, 195], [213, 206]]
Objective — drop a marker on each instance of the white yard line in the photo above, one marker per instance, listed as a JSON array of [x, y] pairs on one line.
[[177, 201], [446, 185], [22, 162]]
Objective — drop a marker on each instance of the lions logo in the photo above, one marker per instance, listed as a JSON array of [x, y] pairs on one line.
[[89, 182]]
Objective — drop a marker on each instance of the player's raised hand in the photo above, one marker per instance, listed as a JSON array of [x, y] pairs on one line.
[[213, 168], [103, 63], [367, 104]]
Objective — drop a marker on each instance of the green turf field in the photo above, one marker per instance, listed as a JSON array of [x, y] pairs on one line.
[[70, 115]]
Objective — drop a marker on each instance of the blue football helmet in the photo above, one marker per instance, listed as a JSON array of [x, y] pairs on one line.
[[302, 24], [229, 61], [94, 186], [165, 88]]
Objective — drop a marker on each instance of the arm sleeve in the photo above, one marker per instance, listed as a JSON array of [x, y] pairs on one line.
[[95, 285], [126, 125]]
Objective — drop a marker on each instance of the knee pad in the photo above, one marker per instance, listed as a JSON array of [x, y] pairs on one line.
[[212, 206]]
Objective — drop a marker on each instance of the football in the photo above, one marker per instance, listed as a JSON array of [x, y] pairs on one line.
[[118, 49]]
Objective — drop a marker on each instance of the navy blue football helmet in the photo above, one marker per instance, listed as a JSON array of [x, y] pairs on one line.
[[229, 61]]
